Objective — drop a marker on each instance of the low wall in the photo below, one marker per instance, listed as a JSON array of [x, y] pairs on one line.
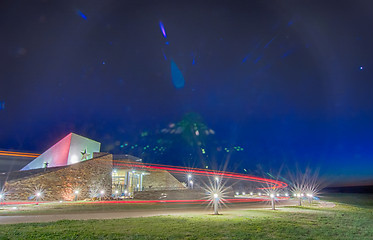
[[88, 177]]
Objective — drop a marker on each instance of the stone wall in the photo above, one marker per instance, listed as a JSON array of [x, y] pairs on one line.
[[87, 177], [160, 179]]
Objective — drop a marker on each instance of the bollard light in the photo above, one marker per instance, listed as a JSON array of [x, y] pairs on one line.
[[216, 204], [272, 201], [76, 192]]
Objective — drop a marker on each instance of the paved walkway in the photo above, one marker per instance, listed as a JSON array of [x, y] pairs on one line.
[[130, 213]]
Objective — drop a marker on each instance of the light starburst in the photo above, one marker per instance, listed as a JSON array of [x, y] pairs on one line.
[[216, 193]]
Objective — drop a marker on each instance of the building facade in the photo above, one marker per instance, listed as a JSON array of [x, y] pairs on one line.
[[61, 173]]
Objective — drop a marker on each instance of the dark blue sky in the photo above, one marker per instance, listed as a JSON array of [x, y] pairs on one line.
[[289, 81]]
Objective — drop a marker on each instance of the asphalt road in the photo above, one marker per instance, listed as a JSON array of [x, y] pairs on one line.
[[187, 210]]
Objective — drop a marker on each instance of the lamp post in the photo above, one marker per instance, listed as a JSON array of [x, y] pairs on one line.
[[37, 197], [191, 184], [272, 201], [116, 194], [189, 179], [76, 193], [216, 203], [102, 193]]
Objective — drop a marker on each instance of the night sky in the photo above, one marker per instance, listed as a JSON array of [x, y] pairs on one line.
[[289, 82]]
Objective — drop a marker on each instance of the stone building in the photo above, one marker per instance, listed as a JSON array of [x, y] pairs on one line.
[[75, 169]]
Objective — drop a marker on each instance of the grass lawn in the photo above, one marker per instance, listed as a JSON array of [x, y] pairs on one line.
[[344, 221]]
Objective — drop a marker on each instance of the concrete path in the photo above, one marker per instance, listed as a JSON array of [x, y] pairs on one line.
[[132, 213]]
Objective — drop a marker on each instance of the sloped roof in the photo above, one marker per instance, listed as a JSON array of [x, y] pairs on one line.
[[69, 150]]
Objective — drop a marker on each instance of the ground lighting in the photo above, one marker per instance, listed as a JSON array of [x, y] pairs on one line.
[[102, 193], [38, 195], [76, 192], [116, 194]]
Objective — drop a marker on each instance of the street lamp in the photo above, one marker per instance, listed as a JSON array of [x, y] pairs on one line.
[[102, 194], [300, 199], [191, 184], [76, 193], [272, 200], [116, 194], [216, 203], [37, 196], [189, 179]]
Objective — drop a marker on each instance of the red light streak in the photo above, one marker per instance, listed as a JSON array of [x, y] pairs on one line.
[[203, 172], [18, 154]]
